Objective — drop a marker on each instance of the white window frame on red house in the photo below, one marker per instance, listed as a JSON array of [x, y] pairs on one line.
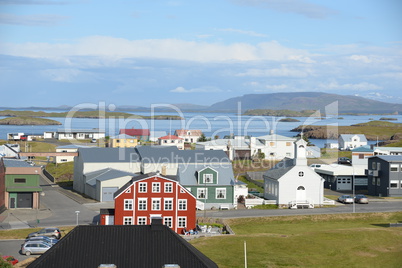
[[127, 220], [142, 220], [128, 204], [168, 203], [168, 221], [168, 187], [181, 222], [142, 187], [156, 187], [182, 204], [142, 204], [156, 204]]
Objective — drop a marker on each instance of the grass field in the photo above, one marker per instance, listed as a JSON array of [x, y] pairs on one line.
[[341, 240]]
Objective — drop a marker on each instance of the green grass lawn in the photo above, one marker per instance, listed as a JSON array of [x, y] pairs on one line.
[[340, 240]]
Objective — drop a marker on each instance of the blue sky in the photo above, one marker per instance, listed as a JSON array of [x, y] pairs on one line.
[[183, 51]]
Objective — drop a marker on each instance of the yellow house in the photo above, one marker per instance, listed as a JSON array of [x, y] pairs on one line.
[[123, 141]]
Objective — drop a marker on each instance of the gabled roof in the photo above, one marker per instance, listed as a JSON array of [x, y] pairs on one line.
[[123, 136], [108, 155], [349, 137], [105, 174], [280, 169], [170, 137], [135, 132], [124, 246], [16, 163], [193, 132], [187, 174], [363, 149]]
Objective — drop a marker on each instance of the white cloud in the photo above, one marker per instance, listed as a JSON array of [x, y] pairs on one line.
[[283, 71], [363, 86], [67, 75], [196, 90], [362, 58]]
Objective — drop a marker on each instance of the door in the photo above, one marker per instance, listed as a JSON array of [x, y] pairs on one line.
[[343, 184], [301, 194], [24, 200], [12, 202], [109, 220], [107, 193]]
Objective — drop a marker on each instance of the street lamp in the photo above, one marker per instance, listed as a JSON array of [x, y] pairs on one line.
[[77, 212], [353, 181]]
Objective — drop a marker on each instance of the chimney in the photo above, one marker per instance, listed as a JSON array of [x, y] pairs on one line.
[[164, 170], [156, 224]]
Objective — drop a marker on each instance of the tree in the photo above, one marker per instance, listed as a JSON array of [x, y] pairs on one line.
[[202, 138]]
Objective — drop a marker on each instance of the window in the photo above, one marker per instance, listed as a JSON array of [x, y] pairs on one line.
[[127, 220], [221, 193], [288, 154], [182, 204], [128, 190], [117, 141], [393, 184], [168, 203], [143, 187], [168, 187], [288, 143], [361, 156], [272, 143], [202, 193], [63, 160], [156, 187], [378, 182], [182, 222], [272, 154], [208, 178], [128, 204], [142, 204], [301, 173], [142, 220], [301, 188], [168, 221], [156, 204], [20, 180], [394, 168], [373, 165]]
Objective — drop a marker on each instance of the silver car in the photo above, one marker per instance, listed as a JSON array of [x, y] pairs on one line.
[[346, 199], [46, 239], [34, 247]]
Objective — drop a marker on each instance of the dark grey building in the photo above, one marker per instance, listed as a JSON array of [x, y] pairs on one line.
[[385, 175]]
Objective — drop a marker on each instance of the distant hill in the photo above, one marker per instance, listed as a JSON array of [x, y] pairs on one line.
[[298, 101]]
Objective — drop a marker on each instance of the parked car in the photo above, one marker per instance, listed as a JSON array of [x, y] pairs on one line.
[[314, 166], [346, 199], [361, 199], [50, 232], [34, 247], [344, 161], [93, 140], [46, 239], [10, 259]]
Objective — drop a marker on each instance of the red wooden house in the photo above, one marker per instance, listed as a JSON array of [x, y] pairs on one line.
[[153, 196], [139, 134]]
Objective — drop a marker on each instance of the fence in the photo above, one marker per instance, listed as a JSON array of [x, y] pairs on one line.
[[48, 175]]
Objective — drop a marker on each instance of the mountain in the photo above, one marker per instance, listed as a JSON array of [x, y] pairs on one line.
[[298, 101]]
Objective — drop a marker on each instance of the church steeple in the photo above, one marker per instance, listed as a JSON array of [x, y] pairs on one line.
[[301, 152]]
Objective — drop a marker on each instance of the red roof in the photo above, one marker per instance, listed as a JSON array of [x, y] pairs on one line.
[[135, 132], [170, 137]]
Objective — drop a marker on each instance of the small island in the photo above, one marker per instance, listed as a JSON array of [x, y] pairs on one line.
[[388, 119], [289, 120], [28, 120]]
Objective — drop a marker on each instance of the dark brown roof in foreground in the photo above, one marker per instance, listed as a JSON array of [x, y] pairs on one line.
[[123, 245]]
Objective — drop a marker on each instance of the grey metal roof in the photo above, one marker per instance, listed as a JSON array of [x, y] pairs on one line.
[[391, 158], [280, 169], [74, 146], [105, 174], [155, 152], [276, 137], [236, 143], [349, 137], [187, 173], [203, 156], [122, 136], [124, 246], [108, 155], [15, 163], [364, 148]]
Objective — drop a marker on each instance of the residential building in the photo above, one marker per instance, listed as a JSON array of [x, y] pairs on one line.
[[121, 246], [148, 196], [292, 183], [331, 145], [237, 147], [188, 135], [313, 152], [122, 141], [67, 149], [387, 150], [77, 134], [171, 140], [385, 175], [350, 141], [21, 184], [273, 146], [9, 150], [361, 154], [139, 134]]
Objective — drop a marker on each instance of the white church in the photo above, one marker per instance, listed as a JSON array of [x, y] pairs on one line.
[[293, 183]]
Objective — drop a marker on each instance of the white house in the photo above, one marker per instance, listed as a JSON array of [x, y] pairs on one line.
[[274, 147], [293, 183], [387, 150], [236, 148], [154, 135], [71, 148], [171, 140], [78, 134], [188, 135], [350, 141]]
